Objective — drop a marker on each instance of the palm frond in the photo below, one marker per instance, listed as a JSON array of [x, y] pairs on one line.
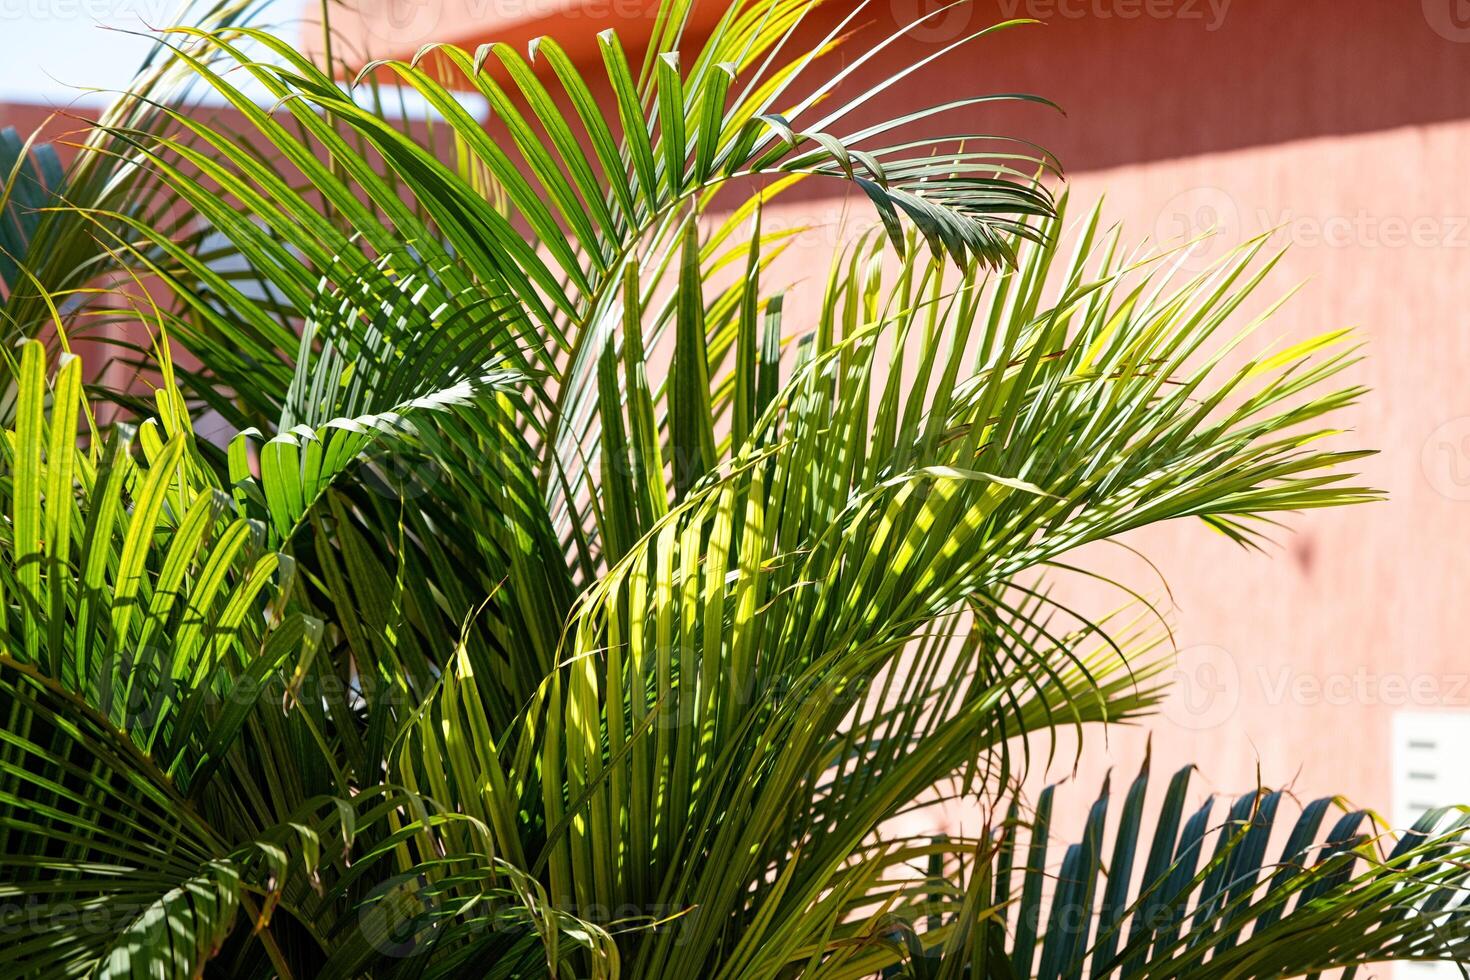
[[1201, 896]]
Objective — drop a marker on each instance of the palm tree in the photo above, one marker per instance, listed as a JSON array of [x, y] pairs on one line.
[[551, 611]]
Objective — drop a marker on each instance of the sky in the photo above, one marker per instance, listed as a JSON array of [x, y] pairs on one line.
[[53, 51], [51, 48]]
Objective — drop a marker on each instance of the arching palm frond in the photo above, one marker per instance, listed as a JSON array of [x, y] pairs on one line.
[[1170, 892]]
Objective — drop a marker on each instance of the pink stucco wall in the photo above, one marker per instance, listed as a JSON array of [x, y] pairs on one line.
[[1348, 125]]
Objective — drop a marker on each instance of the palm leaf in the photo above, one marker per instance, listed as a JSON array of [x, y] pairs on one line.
[[1209, 900]]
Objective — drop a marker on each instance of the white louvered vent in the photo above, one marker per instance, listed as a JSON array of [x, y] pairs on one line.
[[1431, 767]]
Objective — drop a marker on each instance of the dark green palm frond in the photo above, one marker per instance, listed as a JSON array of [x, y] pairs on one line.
[[161, 764], [33, 178], [107, 864], [365, 365], [1171, 892]]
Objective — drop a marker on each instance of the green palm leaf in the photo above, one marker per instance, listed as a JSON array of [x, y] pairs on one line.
[[1209, 901]]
